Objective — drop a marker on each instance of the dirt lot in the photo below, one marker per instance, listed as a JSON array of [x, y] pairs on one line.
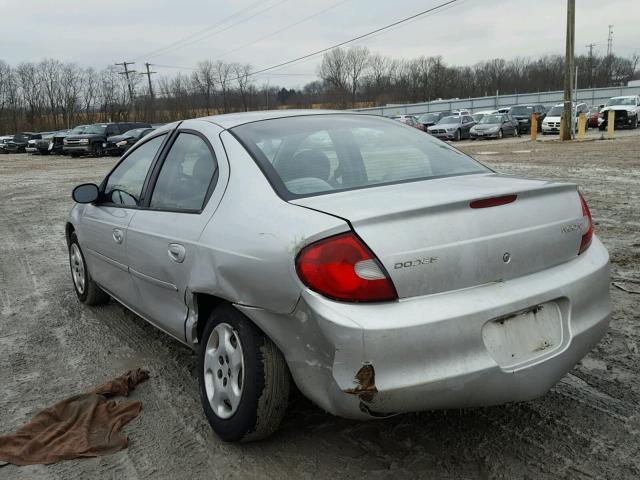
[[588, 426]]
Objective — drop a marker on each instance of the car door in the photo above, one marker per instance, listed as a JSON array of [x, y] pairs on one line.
[[102, 232], [467, 123], [162, 242]]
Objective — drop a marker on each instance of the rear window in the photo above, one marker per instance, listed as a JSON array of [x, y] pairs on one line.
[[319, 154]]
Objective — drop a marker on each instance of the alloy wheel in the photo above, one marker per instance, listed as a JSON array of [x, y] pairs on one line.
[[77, 268], [223, 370]]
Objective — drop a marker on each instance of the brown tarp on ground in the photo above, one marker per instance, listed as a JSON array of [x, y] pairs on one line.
[[85, 425]]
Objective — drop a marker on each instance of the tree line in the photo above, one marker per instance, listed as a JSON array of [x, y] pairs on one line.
[[52, 95]]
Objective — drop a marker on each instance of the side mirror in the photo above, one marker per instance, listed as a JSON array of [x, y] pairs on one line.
[[85, 193]]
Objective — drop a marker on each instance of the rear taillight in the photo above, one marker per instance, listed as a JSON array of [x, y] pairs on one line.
[[343, 268], [588, 235]]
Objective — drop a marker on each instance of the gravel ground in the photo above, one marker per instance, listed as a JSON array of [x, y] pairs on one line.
[[588, 426]]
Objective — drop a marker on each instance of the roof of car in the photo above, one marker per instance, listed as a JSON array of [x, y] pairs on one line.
[[230, 120]]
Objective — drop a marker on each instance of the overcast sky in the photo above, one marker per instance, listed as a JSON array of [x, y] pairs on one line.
[[99, 33]]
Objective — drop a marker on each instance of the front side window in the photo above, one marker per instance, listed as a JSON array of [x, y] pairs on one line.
[[124, 185], [186, 174], [326, 153]]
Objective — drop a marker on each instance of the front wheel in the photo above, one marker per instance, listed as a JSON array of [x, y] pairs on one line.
[[87, 290], [458, 135], [500, 134], [244, 380], [635, 123], [98, 151]]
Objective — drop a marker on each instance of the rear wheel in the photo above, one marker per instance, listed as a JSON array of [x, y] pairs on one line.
[[244, 381], [87, 290]]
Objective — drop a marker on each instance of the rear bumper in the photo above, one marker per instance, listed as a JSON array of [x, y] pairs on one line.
[[428, 352]]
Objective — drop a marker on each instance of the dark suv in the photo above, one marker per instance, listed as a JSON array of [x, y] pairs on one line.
[[91, 140], [523, 113]]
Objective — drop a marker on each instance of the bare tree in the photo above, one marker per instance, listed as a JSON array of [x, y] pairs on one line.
[[50, 78], [204, 79], [333, 72], [223, 74], [356, 61], [242, 73]]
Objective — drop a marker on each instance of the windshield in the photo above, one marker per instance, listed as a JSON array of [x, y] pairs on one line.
[[556, 111], [429, 117], [20, 137], [451, 119], [491, 119], [478, 116], [317, 154], [78, 129], [518, 110], [621, 101], [95, 129]]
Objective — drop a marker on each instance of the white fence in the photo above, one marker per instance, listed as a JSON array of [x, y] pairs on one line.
[[591, 96]]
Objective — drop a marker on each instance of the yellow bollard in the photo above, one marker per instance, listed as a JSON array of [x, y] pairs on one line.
[[611, 120], [582, 126], [534, 126], [561, 126]]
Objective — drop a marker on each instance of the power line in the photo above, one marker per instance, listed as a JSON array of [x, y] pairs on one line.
[[435, 8], [200, 32], [354, 39], [212, 34], [269, 35]]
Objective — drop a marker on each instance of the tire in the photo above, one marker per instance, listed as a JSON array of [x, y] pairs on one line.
[[515, 133], [97, 150], [259, 386], [500, 134], [634, 125], [87, 290], [75, 155], [458, 136]]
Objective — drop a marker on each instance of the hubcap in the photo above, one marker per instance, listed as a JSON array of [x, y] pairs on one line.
[[223, 370], [77, 268]]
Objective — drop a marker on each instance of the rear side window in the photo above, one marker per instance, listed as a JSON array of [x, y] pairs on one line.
[[185, 176], [319, 154], [125, 183]]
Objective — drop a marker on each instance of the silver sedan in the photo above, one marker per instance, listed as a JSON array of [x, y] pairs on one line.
[[380, 269]]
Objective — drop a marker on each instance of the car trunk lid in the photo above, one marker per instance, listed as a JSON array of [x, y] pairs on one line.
[[430, 239]]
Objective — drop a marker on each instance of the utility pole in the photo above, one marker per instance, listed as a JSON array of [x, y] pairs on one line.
[[148, 74], [590, 47], [609, 54], [126, 73], [568, 70], [151, 114]]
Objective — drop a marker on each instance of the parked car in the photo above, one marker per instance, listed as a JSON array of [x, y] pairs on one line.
[[410, 120], [627, 112], [44, 145], [32, 143], [504, 110], [3, 140], [454, 127], [478, 115], [594, 115], [494, 126], [389, 273], [19, 142], [429, 119], [90, 141], [552, 121], [118, 144], [523, 114]]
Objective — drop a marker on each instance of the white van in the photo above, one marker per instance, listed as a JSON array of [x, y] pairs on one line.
[[551, 123]]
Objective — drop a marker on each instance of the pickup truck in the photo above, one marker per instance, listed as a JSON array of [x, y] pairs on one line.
[[627, 112], [92, 139]]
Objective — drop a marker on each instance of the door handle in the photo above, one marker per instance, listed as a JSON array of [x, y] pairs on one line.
[[117, 235], [176, 252]]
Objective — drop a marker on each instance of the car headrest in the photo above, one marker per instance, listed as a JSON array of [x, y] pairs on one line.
[[311, 163]]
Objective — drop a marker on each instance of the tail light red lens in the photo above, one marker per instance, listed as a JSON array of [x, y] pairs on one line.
[[588, 235], [343, 268]]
